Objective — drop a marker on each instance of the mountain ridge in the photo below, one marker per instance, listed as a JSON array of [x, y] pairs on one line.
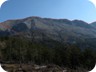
[[36, 17], [56, 29]]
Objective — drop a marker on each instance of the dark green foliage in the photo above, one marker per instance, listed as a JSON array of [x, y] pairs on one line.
[[21, 50]]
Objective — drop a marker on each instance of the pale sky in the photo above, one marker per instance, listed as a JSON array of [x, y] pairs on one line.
[[69, 9]]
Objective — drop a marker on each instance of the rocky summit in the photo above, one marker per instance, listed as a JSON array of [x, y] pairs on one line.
[[61, 30], [56, 29]]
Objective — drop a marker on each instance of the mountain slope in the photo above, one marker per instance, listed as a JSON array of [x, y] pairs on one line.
[[56, 29]]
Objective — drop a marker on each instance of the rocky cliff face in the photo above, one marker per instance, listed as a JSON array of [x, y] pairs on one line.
[[56, 29]]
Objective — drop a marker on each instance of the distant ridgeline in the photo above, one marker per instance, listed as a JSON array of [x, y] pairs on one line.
[[40, 41]]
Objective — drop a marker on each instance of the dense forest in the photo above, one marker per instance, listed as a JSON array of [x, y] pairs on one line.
[[22, 50]]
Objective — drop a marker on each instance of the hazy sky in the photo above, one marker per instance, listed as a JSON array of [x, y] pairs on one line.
[[70, 9]]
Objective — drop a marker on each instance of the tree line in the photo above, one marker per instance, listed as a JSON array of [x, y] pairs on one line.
[[16, 50]]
